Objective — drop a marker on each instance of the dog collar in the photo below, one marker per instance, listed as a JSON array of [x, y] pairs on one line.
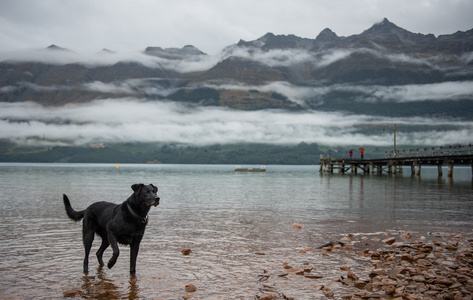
[[144, 220]]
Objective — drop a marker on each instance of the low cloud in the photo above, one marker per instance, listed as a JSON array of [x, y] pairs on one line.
[[58, 57], [195, 63], [272, 58], [330, 57], [113, 88], [146, 86], [454, 90], [134, 120], [319, 59], [302, 95]]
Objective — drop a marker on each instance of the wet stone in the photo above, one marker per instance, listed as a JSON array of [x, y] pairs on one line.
[[268, 297], [329, 294], [313, 276], [389, 241], [190, 288], [360, 284], [378, 272], [186, 251], [419, 278], [352, 275], [390, 289], [295, 270]]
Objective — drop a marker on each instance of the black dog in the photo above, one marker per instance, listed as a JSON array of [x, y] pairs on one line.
[[124, 223]]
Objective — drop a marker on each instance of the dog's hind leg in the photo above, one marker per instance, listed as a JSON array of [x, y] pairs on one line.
[[88, 238], [88, 234], [102, 248]]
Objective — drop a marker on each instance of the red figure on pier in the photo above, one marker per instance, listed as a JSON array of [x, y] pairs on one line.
[[362, 152]]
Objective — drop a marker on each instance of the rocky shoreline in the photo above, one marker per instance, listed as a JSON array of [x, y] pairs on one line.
[[397, 265], [403, 267]]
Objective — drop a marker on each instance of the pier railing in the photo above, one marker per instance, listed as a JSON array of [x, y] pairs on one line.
[[432, 151]]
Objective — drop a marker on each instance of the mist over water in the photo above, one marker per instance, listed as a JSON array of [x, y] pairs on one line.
[[223, 216], [135, 120]]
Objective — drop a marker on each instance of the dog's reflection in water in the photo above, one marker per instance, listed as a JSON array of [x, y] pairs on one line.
[[100, 286]]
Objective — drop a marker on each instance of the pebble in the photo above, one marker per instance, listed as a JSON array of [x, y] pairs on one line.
[[190, 288], [329, 294], [187, 296], [295, 270], [313, 276], [389, 241], [268, 297], [186, 251]]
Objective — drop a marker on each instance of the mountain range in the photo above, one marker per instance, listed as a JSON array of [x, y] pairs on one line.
[[385, 70]]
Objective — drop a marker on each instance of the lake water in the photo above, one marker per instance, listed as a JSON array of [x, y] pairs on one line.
[[225, 217]]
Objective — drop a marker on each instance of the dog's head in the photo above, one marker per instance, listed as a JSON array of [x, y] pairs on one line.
[[146, 193]]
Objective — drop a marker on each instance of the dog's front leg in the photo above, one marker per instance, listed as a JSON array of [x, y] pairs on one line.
[[116, 251], [134, 248]]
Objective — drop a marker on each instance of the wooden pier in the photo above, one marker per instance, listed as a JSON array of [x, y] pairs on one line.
[[395, 161]]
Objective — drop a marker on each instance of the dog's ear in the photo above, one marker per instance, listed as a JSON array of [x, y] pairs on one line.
[[155, 189], [137, 188]]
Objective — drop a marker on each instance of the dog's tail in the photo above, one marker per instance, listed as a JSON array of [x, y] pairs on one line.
[[71, 213]]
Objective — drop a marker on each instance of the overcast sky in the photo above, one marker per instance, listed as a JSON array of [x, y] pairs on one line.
[[87, 26]]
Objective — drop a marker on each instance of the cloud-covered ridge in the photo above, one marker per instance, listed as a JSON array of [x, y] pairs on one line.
[[455, 90], [132, 120]]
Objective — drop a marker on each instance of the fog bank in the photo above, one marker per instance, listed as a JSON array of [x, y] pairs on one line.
[[135, 120]]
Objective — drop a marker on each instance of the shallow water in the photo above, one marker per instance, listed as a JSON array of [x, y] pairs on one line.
[[223, 216]]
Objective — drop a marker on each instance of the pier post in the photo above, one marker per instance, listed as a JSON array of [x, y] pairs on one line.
[[450, 170], [391, 167], [439, 167], [380, 169], [413, 169], [342, 168], [329, 164], [418, 169]]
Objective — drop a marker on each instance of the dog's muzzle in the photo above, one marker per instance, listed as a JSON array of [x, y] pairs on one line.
[[156, 201]]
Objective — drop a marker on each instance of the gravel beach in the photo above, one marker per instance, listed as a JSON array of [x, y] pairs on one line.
[[384, 265]]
